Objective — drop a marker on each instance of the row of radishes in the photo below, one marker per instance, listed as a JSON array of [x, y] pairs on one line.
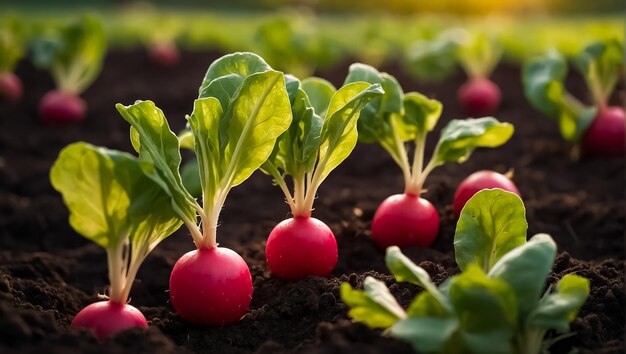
[[73, 54], [247, 117]]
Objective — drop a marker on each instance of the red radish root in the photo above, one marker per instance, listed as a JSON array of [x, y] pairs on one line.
[[299, 247], [62, 107], [479, 97], [106, 318], [11, 89], [211, 286], [478, 181], [405, 220], [606, 134]]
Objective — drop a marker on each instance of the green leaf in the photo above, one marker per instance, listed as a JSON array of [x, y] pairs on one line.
[[601, 64], [486, 309], [374, 306], [461, 137], [319, 92], [421, 112], [436, 59], [110, 199], [74, 54], [227, 73], [556, 310], [426, 304], [479, 53], [404, 270], [159, 153], [425, 334], [526, 269], [543, 79], [185, 139], [12, 42], [339, 134], [190, 174], [492, 223], [259, 114], [204, 123]]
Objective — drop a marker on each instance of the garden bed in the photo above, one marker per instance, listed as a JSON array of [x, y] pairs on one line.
[[48, 273]]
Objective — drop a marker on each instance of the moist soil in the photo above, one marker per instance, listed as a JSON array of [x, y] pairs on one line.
[[48, 273]]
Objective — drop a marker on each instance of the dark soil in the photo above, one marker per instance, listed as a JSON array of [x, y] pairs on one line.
[[48, 273]]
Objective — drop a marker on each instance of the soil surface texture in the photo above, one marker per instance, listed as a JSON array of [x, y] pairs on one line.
[[48, 273]]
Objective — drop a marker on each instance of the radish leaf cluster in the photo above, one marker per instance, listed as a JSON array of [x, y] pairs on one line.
[[491, 307]]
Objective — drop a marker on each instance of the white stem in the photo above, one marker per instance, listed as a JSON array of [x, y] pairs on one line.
[[418, 159], [116, 260], [300, 194], [404, 160]]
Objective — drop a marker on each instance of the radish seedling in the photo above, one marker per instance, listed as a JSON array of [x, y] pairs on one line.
[[322, 134], [113, 204], [477, 53], [243, 108], [496, 305], [395, 118], [74, 56], [599, 129], [478, 181], [11, 51]]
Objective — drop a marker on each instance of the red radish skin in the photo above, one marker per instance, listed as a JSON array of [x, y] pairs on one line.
[[164, 54], [61, 107], [405, 220], [479, 97], [478, 181], [106, 318], [606, 134], [211, 286], [301, 247], [11, 89]]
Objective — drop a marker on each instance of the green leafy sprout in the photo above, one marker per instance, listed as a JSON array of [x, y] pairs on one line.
[[113, 204], [12, 42], [600, 63], [321, 135], [241, 110], [396, 117], [497, 304], [73, 53]]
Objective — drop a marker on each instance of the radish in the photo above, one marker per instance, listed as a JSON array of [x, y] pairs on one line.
[[407, 219], [479, 54], [62, 107], [10, 87], [479, 97], [12, 48], [106, 318], [478, 181], [73, 55], [113, 204], [308, 151], [598, 129], [232, 136], [196, 277], [605, 135], [301, 246], [164, 54]]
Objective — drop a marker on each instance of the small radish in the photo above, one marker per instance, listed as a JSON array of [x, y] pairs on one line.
[[297, 239], [164, 54], [211, 286], [11, 89], [73, 55], [106, 318], [606, 134], [322, 134], [479, 97], [478, 181], [93, 180], [405, 220], [61, 107]]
